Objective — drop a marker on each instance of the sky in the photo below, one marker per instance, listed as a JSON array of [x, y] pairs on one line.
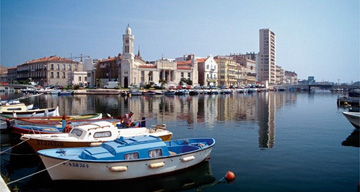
[[313, 38]]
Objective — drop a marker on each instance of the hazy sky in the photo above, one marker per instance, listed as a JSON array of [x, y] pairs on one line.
[[313, 37]]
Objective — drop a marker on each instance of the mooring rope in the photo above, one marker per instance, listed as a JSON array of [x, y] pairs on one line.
[[9, 183], [13, 146]]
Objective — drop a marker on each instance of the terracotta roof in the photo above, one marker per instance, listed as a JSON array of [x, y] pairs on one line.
[[201, 60], [51, 58], [108, 60], [184, 62], [183, 67], [147, 66]]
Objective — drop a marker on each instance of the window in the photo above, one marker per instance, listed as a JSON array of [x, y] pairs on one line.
[[52, 66], [52, 74], [69, 67], [57, 75], [130, 156], [207, 66], [76, 132], [63, 76], [57, 66], [79, 78], [207, 75], [189, 75], [126, 49], [182, 74], [63, 67], [155, 153], [102, 134], [85, 78]]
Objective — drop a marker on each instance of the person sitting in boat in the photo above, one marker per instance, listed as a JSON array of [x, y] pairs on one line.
[[127, 120]]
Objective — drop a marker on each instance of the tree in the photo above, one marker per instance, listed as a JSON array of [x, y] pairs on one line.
[[162, 82], [186, 81], [98, 82]]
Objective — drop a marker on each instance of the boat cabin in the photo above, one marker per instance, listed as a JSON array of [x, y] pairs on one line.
[[95, 131], [132, 148], [142, 147], [14, 107]]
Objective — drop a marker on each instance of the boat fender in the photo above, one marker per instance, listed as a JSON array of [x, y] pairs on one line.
[[156, 165], [118, 168], [95, 144], [186, 159]]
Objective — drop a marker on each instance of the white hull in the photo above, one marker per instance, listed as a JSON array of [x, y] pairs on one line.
[[90, 170], [353, 118]]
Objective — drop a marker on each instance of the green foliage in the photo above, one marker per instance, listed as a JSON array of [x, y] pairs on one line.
[[186, 81]]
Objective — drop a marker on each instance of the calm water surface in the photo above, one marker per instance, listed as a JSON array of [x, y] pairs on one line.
[[272, 142]]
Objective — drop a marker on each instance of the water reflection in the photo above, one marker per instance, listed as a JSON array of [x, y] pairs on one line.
[[190, 178], [257, 108], [352, 139]]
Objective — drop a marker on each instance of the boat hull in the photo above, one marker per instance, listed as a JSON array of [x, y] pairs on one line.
[[32, 113], [90, 170], [39, 144], [353, 118], [27, 130]]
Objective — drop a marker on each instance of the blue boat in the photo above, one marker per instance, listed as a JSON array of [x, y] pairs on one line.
[[65, 92], [126, 158]]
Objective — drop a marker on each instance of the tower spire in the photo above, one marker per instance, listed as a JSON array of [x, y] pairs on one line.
[[139, 52]]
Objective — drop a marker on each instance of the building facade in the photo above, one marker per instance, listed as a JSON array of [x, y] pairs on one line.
[[290, 78], [208, 71], [266, 70], [247, 68], [133, 70], [280, 75], [45, 71], [226, 71]]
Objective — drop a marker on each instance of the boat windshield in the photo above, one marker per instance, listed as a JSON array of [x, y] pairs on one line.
[[102, 134], [76, 132]]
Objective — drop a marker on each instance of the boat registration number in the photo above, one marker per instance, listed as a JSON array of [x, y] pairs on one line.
[[74, 164], [50, 143]]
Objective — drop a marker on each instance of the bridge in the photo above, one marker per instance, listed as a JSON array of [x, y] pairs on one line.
[[309, 87]]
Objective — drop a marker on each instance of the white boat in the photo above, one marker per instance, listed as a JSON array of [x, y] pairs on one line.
[[125, 158], [91, 134], [353, 118], [46, 90], [21, 110]]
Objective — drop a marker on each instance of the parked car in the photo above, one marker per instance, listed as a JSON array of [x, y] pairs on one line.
[[111, 85]]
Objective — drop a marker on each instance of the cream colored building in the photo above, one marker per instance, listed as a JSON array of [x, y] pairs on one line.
[[208, 71], [280, 74], [290, 78], [226, 71], [266, 70], [52, 70], [135, 71]]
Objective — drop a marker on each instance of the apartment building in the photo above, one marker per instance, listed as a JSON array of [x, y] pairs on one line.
[[266, 70], [208, 71], [280, 75], [226, 71], [52, 70], [290, 78]]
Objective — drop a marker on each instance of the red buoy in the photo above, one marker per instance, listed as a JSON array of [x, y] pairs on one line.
[[230, 176]]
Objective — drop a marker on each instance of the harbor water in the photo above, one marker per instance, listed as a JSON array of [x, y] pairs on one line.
[[271, 141]]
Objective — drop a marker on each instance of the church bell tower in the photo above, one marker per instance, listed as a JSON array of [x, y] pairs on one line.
[[127, 60]]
